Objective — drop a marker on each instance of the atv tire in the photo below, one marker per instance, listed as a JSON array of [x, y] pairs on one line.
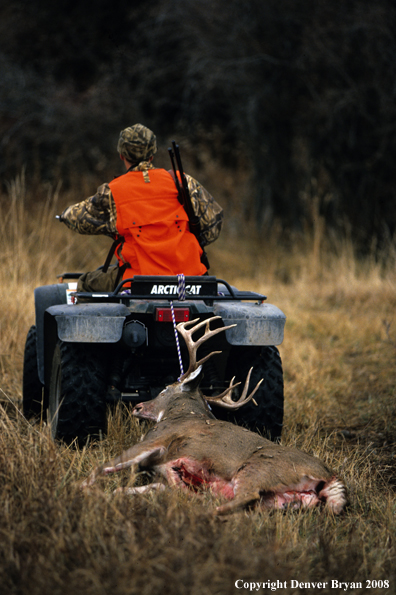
[[77, 392], [32, 388], [267, 416]]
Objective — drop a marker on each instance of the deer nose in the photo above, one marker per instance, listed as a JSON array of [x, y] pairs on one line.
[[137, 409]]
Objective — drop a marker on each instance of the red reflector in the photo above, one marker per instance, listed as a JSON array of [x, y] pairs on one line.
[[165, 314]]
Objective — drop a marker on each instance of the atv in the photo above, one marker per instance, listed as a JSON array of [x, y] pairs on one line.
[[88, 351]]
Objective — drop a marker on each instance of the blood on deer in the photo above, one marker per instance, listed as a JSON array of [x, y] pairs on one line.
[[193, 450]]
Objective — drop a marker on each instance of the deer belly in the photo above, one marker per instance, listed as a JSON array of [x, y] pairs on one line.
[[190, 474]]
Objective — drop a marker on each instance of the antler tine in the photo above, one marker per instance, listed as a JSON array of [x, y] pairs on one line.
[[192, 346], [225, 400]]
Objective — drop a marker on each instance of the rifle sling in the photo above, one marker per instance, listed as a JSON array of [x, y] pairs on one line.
[[110, 255]]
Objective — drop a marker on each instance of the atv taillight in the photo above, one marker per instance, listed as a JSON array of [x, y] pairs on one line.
[[165, 314]]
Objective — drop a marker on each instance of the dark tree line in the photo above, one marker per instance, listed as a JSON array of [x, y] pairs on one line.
[[299, 93]]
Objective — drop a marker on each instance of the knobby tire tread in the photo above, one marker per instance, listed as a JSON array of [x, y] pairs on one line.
[[267, 417], [82, 408]]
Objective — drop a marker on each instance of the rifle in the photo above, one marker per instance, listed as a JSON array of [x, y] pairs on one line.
[[185, 198]]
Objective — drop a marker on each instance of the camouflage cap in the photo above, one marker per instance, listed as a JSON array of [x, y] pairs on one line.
[[137, 143]]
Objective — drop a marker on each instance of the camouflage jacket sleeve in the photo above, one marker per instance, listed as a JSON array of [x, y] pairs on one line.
[[95, 215], [207, 209]]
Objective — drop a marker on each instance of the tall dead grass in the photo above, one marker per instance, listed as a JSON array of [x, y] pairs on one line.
[[339, 357]]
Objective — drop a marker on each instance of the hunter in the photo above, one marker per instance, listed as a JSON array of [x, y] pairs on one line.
[[141, 211]]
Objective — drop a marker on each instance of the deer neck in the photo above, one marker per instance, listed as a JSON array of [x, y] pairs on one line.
[[186, 404]]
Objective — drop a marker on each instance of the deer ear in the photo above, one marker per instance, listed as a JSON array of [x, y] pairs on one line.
[[193, 380]]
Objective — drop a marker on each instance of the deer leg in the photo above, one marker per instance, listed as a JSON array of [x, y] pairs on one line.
[[239, 503], [137, 455], [256, 482], [141, 489]]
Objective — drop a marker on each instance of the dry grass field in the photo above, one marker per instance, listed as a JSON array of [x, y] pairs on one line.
[[339, 357]]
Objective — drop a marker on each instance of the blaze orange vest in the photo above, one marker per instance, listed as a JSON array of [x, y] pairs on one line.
[[154, 225]]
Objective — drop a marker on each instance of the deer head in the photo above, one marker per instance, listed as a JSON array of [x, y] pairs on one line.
[[172, 398]]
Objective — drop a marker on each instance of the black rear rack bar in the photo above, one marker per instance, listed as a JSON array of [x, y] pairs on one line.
[[166, 288]]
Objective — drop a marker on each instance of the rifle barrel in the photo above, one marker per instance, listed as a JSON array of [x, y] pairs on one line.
[[184, 194]]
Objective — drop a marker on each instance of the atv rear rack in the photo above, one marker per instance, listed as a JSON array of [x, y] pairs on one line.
[[144, 287]]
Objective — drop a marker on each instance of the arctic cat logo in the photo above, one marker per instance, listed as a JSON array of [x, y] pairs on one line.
[[172, 289]]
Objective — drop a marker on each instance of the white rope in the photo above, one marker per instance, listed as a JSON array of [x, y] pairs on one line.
[[181, 288], [181, 291]]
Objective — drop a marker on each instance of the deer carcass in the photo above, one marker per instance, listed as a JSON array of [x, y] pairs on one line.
[[191, 449]]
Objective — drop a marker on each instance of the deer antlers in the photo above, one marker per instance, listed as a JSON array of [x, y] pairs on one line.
[[224, 399], [192, 346]]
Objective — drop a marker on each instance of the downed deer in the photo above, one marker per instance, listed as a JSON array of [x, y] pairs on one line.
[[191, 449]]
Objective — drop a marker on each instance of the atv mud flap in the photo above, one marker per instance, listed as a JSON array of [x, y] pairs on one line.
[[256, 324], [89, 323]]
